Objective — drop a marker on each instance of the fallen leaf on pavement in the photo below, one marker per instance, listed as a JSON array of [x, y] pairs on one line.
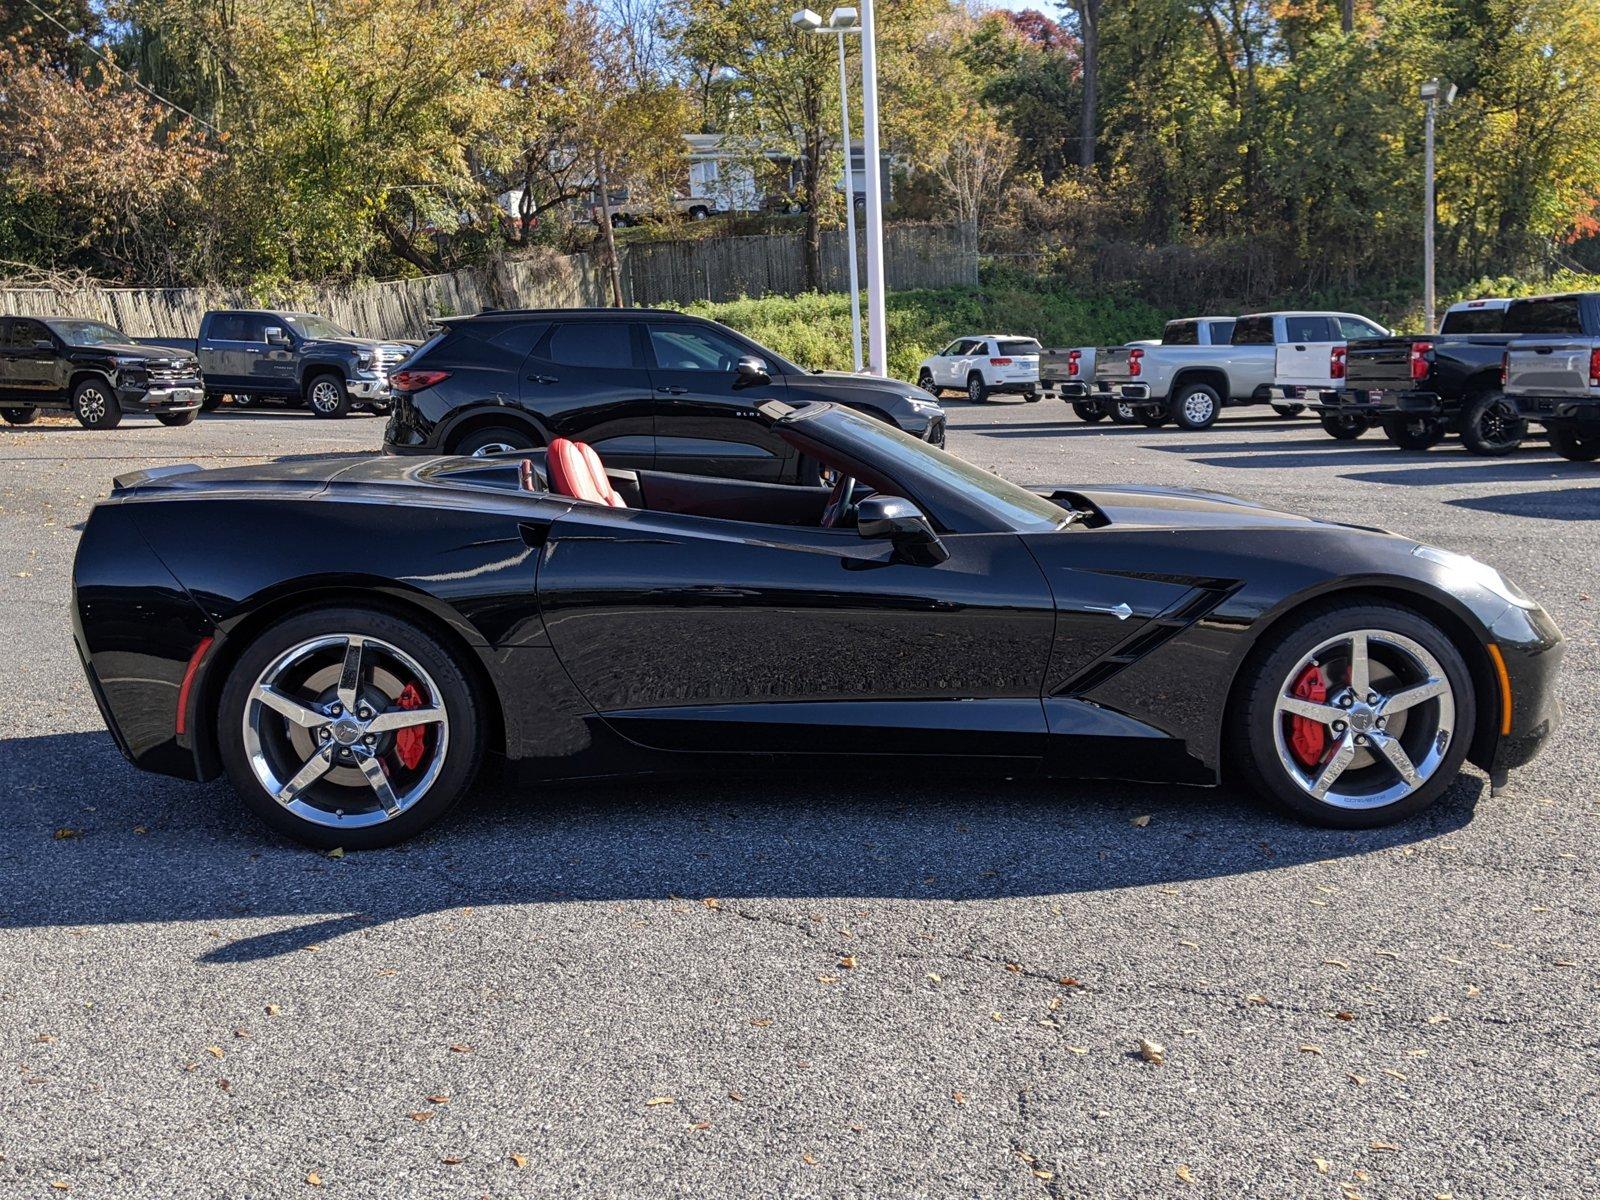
[[655, 1100], [1185, 1174], [848, 962], [441, 1098], [274, 1010], [214, 1051], [1323, 1165], [420, 1117], [518, 1160], [336, 852], [460, 1048], [1391, 1146], [1152, 1052], [1140, 822], [313, 1179], [761, 1022], [1310, 1048]]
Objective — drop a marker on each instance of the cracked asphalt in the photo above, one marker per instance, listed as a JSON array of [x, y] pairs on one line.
[[809, 986]]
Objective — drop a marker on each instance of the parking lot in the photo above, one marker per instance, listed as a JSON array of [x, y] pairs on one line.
[[918, 986]]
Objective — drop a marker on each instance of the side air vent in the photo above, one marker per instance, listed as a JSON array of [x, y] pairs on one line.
[[1189, 608]]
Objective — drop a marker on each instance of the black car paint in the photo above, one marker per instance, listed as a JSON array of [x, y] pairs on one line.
[[40, 369], [637, 414], [613, 641]]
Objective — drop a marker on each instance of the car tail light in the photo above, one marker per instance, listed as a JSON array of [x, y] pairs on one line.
[[1135, 367], [1073, 356], [999, 362], [1419, 360], [415, 381], [1336, 362], [1594, 367], [1505, 368]]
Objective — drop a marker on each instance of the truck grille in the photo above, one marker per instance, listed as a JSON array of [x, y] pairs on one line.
[[389, 357], [169, 374]]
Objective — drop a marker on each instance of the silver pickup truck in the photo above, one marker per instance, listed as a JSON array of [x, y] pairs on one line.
[[1555, 378], [1190, 380]]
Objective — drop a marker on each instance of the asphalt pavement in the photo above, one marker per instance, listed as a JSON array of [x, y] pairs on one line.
[[812, 986]]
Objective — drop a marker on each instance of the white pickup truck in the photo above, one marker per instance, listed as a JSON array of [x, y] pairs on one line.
[[1190, 380], [1311, 359]]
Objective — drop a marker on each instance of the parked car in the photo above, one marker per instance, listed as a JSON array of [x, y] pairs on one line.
[[577, 620], [94, 370], [983, 364], [1191, 381], [1554, 377], [298, 358], [625, 212], [648, 389], [1069, 373], [1419, 387]]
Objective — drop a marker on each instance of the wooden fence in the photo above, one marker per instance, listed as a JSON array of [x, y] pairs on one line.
[[653, 273]]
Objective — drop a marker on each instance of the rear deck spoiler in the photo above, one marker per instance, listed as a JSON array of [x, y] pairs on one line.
[[132, 479]]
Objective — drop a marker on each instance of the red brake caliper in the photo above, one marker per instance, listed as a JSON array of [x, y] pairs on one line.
[[409, 743], [1309, 738]]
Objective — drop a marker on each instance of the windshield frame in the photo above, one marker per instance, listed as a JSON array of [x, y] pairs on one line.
[[58, 326]]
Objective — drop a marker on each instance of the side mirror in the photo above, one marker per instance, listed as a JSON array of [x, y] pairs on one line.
[[902, 523], [43, 344], [752, 370], [277, 337]]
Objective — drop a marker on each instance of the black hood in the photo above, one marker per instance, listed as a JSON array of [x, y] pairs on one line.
[[134, 350], [1183, 508], [856, 389]]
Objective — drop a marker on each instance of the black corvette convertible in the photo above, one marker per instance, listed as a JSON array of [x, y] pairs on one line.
[[348, 639]]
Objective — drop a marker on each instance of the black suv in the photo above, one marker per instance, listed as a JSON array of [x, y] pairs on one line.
[[648, 389], [96, 371]]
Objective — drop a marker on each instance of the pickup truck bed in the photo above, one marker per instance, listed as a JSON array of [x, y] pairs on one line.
[[1554, 379]]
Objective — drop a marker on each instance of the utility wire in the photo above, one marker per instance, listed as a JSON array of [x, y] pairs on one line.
[[75, 35]]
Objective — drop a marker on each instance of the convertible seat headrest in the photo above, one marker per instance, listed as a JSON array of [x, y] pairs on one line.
[[576, 471]]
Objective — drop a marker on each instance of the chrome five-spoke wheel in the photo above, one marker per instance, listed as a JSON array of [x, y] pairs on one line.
[[1364, 719]]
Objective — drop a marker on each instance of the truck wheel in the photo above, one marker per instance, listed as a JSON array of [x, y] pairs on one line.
[[925, 382], [95, 405], [1576, 444], [1123, 413], [494, 440], [25, 415], [977, 389], [699, 212], [1089, 410], [327, 397], [1155, 418], [1197, 407], [1343, 426], [1491, 425], [1288, 410], [178, 419], [212, 401], [1414, 433]]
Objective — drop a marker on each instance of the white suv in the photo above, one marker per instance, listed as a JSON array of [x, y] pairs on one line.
[[984, 363]]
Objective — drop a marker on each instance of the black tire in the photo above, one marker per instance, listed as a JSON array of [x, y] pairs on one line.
[[1491, 426], [178, 419], [326, 396], [496, 438], [382, 407], [1030, 397], [1196, 406], [1089, 410], [25, 414], [1251, 732], [1414, 433], [244, 401], [1155, 418], [699, 212], [95, 404], [925, 382], [1575, 444], [1288, 410], [1122, 413], [1344, 427], [211, 401], [977, 389], [464, 710]]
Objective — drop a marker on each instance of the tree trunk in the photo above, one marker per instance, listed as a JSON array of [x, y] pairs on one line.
[[1347, 15], [813, 195], [400, 242], [1089, 34], [612, 265]]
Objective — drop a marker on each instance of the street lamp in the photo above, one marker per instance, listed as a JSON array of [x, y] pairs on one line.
[[1429, 91], [842, 21]]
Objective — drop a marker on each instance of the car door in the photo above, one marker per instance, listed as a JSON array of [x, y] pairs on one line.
[[34, 357], [943, 365], [704, 412], [225, 352], [970, 352], [585, 379], [707, 635], [273, 359]]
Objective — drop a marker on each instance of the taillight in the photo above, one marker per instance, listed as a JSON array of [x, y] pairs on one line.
[[1072, 361], [999, 362], [1135, 367], [1419, 360], [1505, 368], [1336, 362], [1594, 367], [415, 381]]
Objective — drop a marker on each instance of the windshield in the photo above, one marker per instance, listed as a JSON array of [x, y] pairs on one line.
[[914, 463], [1020, 348], [311, 326], [1473, 320], [88, 333]]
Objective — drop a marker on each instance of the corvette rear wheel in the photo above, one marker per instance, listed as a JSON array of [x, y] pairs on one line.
[[1355, 716], [349, 727]]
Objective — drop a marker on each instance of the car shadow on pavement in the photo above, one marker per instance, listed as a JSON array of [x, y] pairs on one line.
[[100, 843], [1571, 504]]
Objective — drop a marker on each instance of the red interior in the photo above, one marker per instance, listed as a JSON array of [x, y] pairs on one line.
[[575, 470]]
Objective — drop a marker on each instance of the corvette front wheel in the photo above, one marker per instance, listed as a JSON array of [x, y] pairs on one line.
[[1354, 716], [349, 727]]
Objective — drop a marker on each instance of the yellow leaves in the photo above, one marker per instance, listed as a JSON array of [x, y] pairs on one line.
[[1391, 1147], [1079, 1050], [420, 1117], [1184, 1174], [809, 1159], [959, 1097], [61, 1185], [1323, 1165], [518, 1160], [336, 852], [1393, 1074], [1310, 1048], [1255, 998], [657, 1101], [313, 1179], [1140, 822], [712, 903], [214, 1051], [1358, 1080], [761, 1022], [1152, 1052], [997, 1016], [1014, 967], [848, 962], [274, 1010], [1438, 1018], [67, 833], [1336, 962], [935, 978], [827, 979]]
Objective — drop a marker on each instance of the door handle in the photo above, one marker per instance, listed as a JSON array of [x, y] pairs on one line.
[[1302, 349], [672, 391], [1543, 350], [543, 379]]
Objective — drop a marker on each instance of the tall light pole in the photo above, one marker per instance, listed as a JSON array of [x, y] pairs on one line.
[[877, 341], [1430, 96], [841, 22]]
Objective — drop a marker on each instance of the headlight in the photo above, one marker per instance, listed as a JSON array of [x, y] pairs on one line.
[[1479, 573], [920, 404], [364, 359]]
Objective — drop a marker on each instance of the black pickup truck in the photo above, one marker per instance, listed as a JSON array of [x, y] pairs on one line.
[[298, 358], [93, 370], [1420, 387]]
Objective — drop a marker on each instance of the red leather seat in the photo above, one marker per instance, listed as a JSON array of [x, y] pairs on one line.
[[575, 470]]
